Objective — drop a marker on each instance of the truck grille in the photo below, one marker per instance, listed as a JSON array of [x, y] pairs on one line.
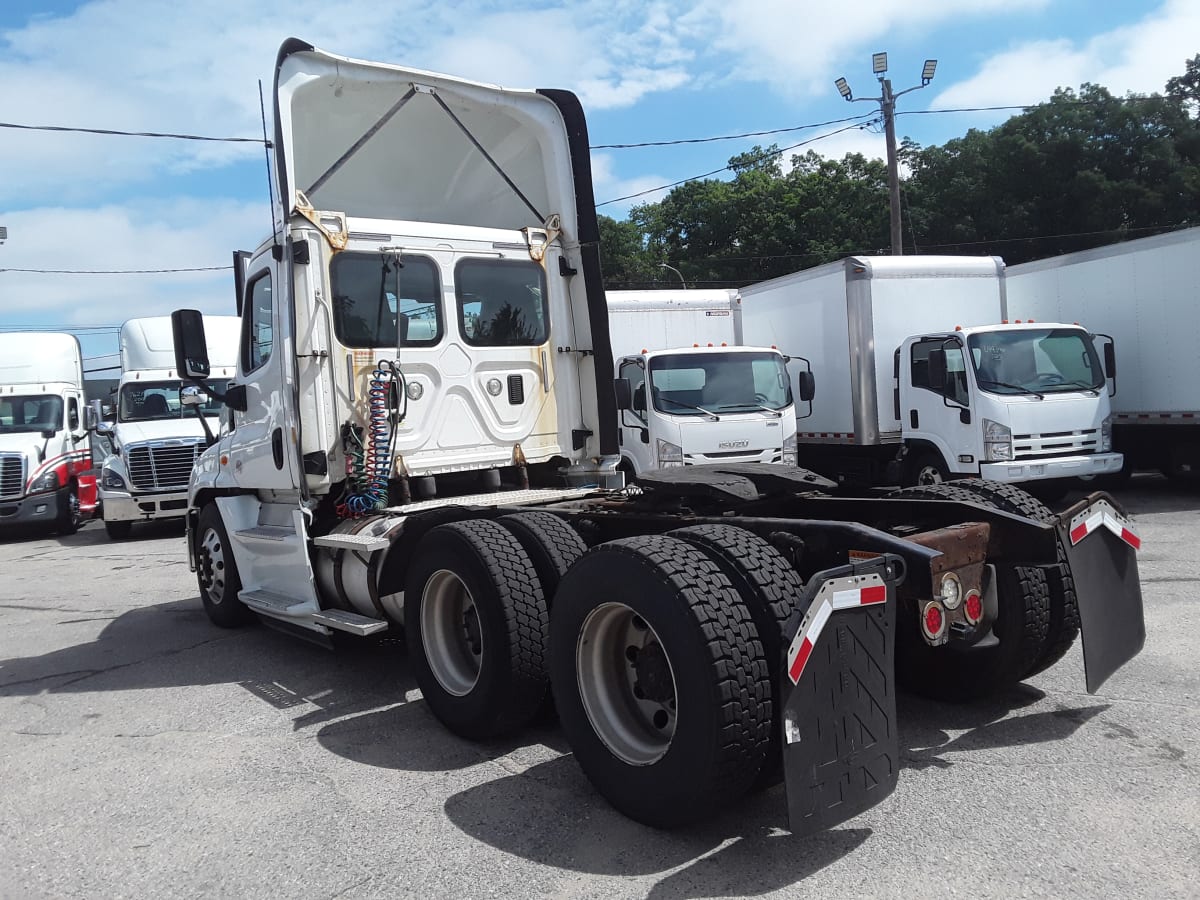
[[12, 475], [162, 465], [1055, 443]]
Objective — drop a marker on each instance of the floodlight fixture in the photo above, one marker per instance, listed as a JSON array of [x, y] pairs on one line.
[[879, 63], [927, 72], [3, 234], [843, 88]]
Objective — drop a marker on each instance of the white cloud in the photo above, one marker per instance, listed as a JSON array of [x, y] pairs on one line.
[[1138, 58], [607, 185]]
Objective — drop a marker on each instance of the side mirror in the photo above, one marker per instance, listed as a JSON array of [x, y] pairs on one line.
[[192, 396], [235, 397], [48, 433], [191, 349], [1110, 361], [807, 385], [91, 415], [937, 369], [624, 391]]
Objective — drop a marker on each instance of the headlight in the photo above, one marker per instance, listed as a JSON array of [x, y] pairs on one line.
[[111, 481], [789, 450], [997, 441], [47, 481], [1106, 434], [669, 454]]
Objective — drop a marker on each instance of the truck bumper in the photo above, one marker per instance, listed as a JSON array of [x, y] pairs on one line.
[[120, 506], [1053, 467], [37, 509]]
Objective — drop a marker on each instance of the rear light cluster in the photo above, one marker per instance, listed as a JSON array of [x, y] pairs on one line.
[[942, 614]]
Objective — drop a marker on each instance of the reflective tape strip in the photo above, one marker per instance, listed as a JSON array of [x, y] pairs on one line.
[[828, 601], [1103, 514]]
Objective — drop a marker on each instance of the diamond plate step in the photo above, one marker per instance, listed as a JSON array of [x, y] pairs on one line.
[[368, 542], [268, 532], [270, 602], [348, 621]]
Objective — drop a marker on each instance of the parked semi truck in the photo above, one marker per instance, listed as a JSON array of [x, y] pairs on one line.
[[423, 436], [1142, 294], [45, 454], [690, 393], [922, 380], [157, 433]]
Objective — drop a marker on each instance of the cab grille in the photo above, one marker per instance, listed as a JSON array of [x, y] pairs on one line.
[[162, 465], [12, 475]]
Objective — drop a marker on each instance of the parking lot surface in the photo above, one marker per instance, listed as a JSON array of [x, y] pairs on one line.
[[147, 752]]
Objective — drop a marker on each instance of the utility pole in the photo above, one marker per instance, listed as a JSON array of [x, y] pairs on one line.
[[887, 106]]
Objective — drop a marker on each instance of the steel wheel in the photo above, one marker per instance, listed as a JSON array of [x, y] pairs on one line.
[[627, 684], [211, 569], [450, 632]]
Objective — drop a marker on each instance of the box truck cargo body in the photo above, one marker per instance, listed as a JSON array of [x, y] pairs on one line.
[[45, 454], [1145, 294], [919, 380], [694, 395], [157, 437]]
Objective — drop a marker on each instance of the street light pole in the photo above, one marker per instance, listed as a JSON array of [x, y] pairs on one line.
[[676, 271], [887, 106]]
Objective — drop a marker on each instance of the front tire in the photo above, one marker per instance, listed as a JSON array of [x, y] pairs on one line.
[[477, 629], [925, 467], [69, 518], [217, 572], [661, 683]]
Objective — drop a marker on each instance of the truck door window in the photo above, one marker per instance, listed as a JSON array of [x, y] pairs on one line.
[[956, 370], [501, 302], [258, 334], [73, 414], [377, 303], [637, 383]]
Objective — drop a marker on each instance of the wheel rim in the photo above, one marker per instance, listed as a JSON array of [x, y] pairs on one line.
[[627, 684], [212, 566], [451, 633], [73, 507], [929, 474]]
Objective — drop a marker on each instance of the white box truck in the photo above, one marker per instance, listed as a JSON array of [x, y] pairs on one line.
[[1145, 294], [424, 435], [45, 452], [158, 435], [688, 393], [920, 380]]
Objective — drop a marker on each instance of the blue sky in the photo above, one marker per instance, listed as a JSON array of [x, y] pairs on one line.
[[645, 71]]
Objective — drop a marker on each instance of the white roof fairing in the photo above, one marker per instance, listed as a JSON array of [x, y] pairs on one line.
[[417, 164]]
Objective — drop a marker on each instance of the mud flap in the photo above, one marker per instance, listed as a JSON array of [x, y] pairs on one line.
[[841, 754], [1101, 548]]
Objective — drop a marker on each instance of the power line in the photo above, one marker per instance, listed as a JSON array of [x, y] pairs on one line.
[[147, 134], [759, 157], [117, 271], [727, 137]]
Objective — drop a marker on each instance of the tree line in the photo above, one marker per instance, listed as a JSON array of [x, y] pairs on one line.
[[1083, 169]]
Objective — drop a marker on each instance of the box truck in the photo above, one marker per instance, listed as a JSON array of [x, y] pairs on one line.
[[45, 452], [424, 436], [688, 393], [921, 380], [158, 432], [1144, 294]]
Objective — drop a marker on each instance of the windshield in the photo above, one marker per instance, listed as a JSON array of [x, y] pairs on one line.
[[1040, 361], [695, 384], [152, 401], [30, 412]]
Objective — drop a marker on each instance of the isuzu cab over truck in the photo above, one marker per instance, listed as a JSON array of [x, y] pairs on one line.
[[424, 437], [45, 454], [1143, 294], [922, 382], [692, 394], [158, 433]]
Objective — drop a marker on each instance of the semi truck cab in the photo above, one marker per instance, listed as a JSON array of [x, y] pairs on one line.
[[705, 405], [1012, 403]]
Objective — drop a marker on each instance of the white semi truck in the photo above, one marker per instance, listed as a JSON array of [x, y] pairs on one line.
[[922, 378], [45, 453], [424, 436], [688, 392], [158, 435], [1144, 295]]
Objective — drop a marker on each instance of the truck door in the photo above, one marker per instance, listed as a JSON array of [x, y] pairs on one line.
[[938, 413], [635, 433], [261, 445]]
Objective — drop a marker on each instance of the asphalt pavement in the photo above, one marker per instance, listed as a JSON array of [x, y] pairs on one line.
[[148, 753]]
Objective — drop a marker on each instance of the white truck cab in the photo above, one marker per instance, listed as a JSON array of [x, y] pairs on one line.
[[1013, 403], [44, 446], [157, 435]]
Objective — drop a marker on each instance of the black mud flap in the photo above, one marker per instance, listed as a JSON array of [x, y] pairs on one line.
[[841, 755], [1101, 547]]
